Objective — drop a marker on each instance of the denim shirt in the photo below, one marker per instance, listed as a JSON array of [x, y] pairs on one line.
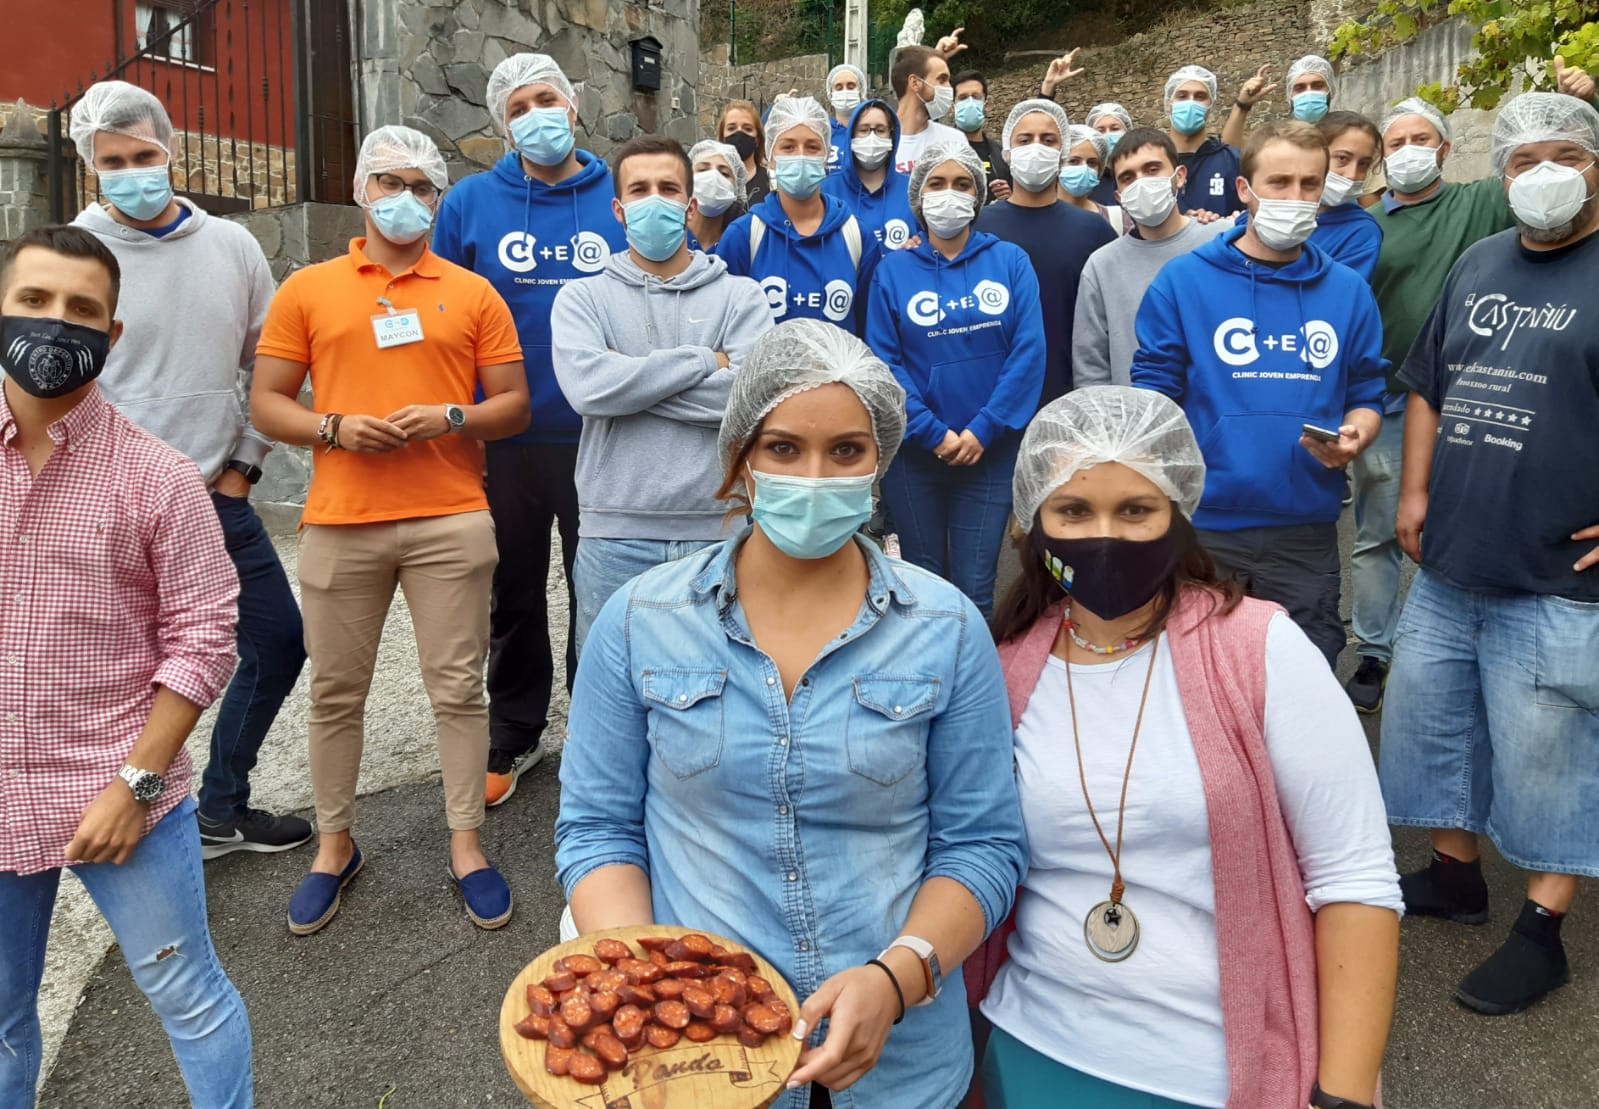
[[803, 829]]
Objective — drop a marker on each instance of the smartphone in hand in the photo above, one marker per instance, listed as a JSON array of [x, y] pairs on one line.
[[1320, 434]]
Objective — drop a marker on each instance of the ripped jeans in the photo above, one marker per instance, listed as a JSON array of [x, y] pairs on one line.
[[155, 904]]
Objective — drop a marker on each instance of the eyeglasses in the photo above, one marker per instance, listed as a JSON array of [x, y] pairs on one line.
[[390, 185]]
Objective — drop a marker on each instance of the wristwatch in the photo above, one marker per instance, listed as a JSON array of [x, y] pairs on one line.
[[1320, 1099], [146, 784], [932, 976], [455, 415], [252, 474]]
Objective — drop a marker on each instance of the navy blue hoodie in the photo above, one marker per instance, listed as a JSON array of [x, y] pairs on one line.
[[1251, 353], [964, 337], [803, 276], [1212, 183], [886, 210], [529, 239]]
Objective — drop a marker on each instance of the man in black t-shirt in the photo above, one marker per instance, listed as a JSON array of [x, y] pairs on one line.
[[971, 114], [1492, 715]]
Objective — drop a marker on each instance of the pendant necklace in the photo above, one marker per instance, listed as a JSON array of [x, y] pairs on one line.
[[1111, 930]]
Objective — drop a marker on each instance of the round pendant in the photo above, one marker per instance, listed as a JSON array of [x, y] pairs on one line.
[[1111, 931]]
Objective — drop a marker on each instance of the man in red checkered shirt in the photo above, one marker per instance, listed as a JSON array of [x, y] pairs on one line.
[[117, 603]]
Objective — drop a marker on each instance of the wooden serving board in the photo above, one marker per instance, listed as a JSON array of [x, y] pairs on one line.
[[721, 1074]]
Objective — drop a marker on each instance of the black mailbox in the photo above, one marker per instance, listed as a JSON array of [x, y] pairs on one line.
[[646, 62]]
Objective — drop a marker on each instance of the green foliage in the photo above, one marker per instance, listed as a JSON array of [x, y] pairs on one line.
[[992, 26], [1510, 35]]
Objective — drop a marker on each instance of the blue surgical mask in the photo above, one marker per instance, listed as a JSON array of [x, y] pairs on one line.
[[401, 219], [1079, 180], [1188, 116], [1310, 106], [970, 114], [810, 517], [139, 194], [655, 226], [800, 175], [1111, 139], [543, 135]]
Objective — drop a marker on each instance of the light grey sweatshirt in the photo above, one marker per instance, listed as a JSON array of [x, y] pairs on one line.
[[1109, 293], [192, 305], [635, 355]]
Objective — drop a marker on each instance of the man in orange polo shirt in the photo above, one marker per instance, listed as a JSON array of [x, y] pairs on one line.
[[396, 341]]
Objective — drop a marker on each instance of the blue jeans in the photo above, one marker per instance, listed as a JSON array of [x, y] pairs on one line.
[[1375, 562], [271, 652], [951, 519], [1491, 722], [155, 904], [603, 566]]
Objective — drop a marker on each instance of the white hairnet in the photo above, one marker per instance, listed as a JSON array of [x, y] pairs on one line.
[[519, 71], [935, 154], [1028, 107], [1141, 429], [1077, 134], [394, 147], [806, 354], [1190, 73], [1543, 117], [1310, 63], [796, 111], [853, 71], [121, 109], [710, 148], [1109, 108], [1415, 107]]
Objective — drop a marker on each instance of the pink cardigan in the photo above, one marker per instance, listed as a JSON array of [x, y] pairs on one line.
[[1265, 937]]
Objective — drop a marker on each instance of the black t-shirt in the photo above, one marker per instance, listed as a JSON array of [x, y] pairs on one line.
[[759, 185], [994, 163], [1509, 358]]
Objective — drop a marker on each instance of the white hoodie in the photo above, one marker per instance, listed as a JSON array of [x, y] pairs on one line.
[[192, 305]]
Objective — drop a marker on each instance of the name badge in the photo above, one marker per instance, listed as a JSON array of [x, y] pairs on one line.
[[397, 329]]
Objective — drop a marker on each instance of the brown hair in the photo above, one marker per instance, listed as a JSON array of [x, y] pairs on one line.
[[63, 239], [652, 144], [1334, 124], [738, 499], [1032, 594], [760, 128], [908, 62], [1291, 131], [1131, 142]]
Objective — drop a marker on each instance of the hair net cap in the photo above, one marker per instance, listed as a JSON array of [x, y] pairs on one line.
[[796, 111], [710, 148], [1190, 73], [1028, 107], [1310, 64], [838, 70], [1077, 134], [1416, 107], [1543, 117], [121, 109], [935, 154], [519, 71], [394, 147], [1143, 430], [807, 354], [1109, 108]]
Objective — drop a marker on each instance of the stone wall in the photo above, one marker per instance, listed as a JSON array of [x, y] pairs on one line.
[[758, 82], [24, 175]]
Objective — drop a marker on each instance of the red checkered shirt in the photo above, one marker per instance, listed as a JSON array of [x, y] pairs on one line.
[[113, 579]]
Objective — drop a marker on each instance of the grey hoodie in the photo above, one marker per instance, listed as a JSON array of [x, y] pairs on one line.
[[192, 305], [635, 355]]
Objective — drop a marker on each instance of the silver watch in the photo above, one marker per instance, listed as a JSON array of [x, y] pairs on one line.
[[455, 416], [146, 784]]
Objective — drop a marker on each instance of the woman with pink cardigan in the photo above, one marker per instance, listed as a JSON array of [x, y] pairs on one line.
[[1211, 912]]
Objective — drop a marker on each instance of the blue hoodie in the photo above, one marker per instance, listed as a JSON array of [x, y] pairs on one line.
[[838, 150], [1349, 234], [885, 211], [964, 337], [803, 276], [1251, 353], [1211, 185], [529, 239]]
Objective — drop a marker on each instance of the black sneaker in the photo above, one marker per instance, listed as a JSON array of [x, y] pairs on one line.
[[1449, 889], [254, 831], [1525, 970], [1365, 686]]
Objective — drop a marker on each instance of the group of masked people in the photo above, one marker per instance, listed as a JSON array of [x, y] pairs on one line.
[[1178, 891]]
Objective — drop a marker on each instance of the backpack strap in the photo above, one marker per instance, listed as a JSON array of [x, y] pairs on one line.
[[757, 233]]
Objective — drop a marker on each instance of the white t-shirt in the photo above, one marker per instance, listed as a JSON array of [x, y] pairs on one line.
[[910, 146], [1153, 1022]]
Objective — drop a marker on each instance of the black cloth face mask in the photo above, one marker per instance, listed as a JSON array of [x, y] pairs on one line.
[[1110, 577], [47, 357], [743, 142]]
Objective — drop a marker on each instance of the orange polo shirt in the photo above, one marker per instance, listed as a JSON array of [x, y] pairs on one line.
[[322, 316]]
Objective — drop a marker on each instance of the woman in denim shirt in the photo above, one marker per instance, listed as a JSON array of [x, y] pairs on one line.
[[793, 741]]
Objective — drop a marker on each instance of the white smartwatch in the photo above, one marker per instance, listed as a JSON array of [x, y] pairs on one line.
[[932, 976]]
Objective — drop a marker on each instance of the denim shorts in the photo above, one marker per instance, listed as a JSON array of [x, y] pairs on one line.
[[1491, 722]]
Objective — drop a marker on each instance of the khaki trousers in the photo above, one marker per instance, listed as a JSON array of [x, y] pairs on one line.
[[445, 565]]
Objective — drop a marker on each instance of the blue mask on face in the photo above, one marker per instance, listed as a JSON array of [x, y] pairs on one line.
[[401, 219], [1111, 139], [1079, 180], [139, 194], [800, 175], [655, 226], [1310, 106], [970, 115], [811, 517], [543, 136], [1188, 116]]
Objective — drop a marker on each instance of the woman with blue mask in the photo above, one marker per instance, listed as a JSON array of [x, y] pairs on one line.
[[793, 741], [1083, 166], [1112, 121], [719, 191]]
